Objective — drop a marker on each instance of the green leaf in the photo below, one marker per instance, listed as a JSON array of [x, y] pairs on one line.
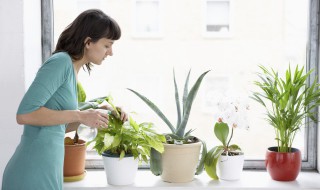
[[81, 93], [221, 130], [191, 95], [177, 100], [200, 166], [185, 93], [155, 109], [211, 161], [108, 140]]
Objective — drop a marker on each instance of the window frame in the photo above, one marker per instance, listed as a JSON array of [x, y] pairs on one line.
[[312, 62]]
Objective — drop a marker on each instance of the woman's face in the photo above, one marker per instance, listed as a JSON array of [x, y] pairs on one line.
[[96, 52]]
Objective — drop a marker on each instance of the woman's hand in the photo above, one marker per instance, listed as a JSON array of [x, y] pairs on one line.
[[123, 114], [95, 118]]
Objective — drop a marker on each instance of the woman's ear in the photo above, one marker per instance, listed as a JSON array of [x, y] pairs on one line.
[[87, 41]]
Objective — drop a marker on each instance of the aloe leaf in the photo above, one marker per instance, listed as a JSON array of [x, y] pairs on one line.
[[177, 100], [200, 167], [87, 105], [155, 162], [185, 92], [192, 94], [155, 109]]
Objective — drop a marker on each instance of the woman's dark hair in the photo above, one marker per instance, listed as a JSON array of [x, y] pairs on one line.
[[91, 23]]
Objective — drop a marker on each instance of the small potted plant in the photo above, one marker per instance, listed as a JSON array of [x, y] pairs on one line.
[[226, 161], [75, 149], [288, 101], [123, 144], [181, 154]]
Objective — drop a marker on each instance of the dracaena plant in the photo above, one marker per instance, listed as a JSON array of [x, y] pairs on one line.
[[288, 101], [232, 114], [178, 134]]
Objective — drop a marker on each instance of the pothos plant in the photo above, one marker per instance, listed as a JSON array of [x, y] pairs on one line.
[[178, 134], [232, 114], [121, 138], [127, 138]]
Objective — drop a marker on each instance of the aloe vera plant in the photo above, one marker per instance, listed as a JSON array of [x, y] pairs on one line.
[[178, 134]]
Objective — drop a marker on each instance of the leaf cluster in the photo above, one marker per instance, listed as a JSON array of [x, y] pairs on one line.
[[221, 131], [129, 138], [178, 133]]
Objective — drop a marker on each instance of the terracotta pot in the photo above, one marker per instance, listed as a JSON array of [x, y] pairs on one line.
[[179, 162], [283, 166], [74, 159]]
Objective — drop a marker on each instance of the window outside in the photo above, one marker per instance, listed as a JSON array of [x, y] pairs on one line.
[[273, 33]]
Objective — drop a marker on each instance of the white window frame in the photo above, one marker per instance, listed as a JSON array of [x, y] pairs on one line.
[[208, 34], [135, 32]]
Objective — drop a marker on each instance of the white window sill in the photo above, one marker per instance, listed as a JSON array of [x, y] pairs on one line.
[[96, 179]]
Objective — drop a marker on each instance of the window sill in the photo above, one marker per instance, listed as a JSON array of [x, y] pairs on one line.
[[96, 179]]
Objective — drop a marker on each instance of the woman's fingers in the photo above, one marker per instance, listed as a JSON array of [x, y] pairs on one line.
[[104, 120], [123, 114]]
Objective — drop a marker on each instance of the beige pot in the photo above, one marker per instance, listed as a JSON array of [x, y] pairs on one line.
[[179, 162]]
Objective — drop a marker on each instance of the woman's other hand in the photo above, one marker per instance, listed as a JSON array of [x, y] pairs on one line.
[[95, 118]]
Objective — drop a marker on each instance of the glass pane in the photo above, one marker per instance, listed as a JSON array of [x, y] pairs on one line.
[[269, 32]]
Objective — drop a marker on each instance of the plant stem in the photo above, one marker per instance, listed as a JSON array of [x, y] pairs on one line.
[[230, 137]]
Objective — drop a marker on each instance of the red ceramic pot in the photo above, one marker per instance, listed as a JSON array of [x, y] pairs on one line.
[[283, 166]]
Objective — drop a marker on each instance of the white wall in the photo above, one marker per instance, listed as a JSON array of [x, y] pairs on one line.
[[20, 35]]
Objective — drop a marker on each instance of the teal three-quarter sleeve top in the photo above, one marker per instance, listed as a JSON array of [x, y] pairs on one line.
[[37, 163]]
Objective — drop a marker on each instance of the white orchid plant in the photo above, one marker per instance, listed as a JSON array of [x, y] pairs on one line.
[[232, 113]]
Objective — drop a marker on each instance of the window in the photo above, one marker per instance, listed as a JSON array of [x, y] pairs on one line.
[[217, 18], [147, 18], [272, 33]]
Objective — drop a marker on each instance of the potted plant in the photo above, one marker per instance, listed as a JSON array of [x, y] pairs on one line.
[[288, 101], [226, 161], [123, 144], [178, 162], [75, 150]]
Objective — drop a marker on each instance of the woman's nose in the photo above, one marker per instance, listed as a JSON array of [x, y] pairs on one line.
[[109, 52]]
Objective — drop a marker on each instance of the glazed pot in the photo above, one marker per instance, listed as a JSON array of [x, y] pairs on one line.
[[179, 162], [74, 160], [230, 167], [120, 172], [283, 166]]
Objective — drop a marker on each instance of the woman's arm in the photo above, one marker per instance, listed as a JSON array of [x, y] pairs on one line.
[[47, 117]]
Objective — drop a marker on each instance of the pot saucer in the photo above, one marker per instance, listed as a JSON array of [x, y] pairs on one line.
[[74, 178]]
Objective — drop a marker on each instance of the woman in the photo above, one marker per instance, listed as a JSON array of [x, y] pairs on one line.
[[51, 102]]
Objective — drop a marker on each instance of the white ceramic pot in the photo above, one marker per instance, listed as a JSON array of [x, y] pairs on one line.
[[120, 172], [230, 167]]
